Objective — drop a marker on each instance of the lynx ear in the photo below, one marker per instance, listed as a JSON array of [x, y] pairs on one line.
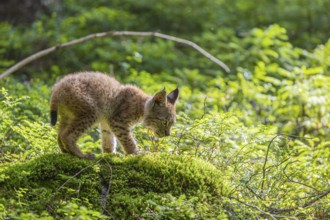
[[173, 96], [160, 98]]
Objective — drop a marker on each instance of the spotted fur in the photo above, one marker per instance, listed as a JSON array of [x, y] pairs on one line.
[[83, 99]]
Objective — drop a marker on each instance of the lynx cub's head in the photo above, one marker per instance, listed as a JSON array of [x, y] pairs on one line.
[[159, 113]]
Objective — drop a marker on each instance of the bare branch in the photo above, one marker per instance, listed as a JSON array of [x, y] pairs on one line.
[[294, 181], [320, 196], [50, 206], [255, 207], [204, 107], [45, 52], [306, 205], [265, 162], [106, 190], [82, 170]]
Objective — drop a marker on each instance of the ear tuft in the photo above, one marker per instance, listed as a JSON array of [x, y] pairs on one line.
[[173, 96], [160, 97]]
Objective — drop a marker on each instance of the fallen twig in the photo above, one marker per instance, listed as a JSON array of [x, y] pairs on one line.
[[265, 162], [82, 170], [255, 207], [104, 194], [47, 51], [305, 205]]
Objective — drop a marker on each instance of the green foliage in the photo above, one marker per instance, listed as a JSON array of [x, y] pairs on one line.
[[21, 137], [157, 185], [263, 169], [249, 144]]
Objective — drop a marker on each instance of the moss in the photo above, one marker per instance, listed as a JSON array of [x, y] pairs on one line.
[[147, 186]]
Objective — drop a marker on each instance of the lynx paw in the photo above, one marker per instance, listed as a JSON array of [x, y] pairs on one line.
[[117, 153], [142, 152]]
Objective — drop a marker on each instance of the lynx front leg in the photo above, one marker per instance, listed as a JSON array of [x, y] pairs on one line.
[[125, 137], [109, 142]]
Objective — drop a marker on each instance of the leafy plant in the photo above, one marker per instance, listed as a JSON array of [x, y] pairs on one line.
[[248, 144]]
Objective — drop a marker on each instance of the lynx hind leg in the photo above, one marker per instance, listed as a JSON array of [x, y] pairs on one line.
[[109, 143], [61, 145], [70, 135], [62, 127]]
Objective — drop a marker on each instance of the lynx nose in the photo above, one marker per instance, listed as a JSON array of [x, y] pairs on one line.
[[167, 133]]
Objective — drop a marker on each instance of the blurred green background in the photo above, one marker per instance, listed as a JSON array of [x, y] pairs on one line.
[[274, 102]]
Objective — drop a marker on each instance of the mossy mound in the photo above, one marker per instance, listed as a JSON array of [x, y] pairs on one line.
[[149, 186]]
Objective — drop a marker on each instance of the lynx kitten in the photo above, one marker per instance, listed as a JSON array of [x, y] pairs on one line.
[[83, 99]]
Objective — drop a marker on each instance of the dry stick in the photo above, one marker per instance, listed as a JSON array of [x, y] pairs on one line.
[[305, 205], [267, 154], [265, 162], [311, 202], [294, 181], [255, 207], [204, 107], [104, 203], [45, 52], [82, 170]]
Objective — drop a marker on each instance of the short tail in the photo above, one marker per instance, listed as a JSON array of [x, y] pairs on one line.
[[53, 111], [53, 117]]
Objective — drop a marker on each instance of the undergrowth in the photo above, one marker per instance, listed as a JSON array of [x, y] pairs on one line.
[[149, 186]]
